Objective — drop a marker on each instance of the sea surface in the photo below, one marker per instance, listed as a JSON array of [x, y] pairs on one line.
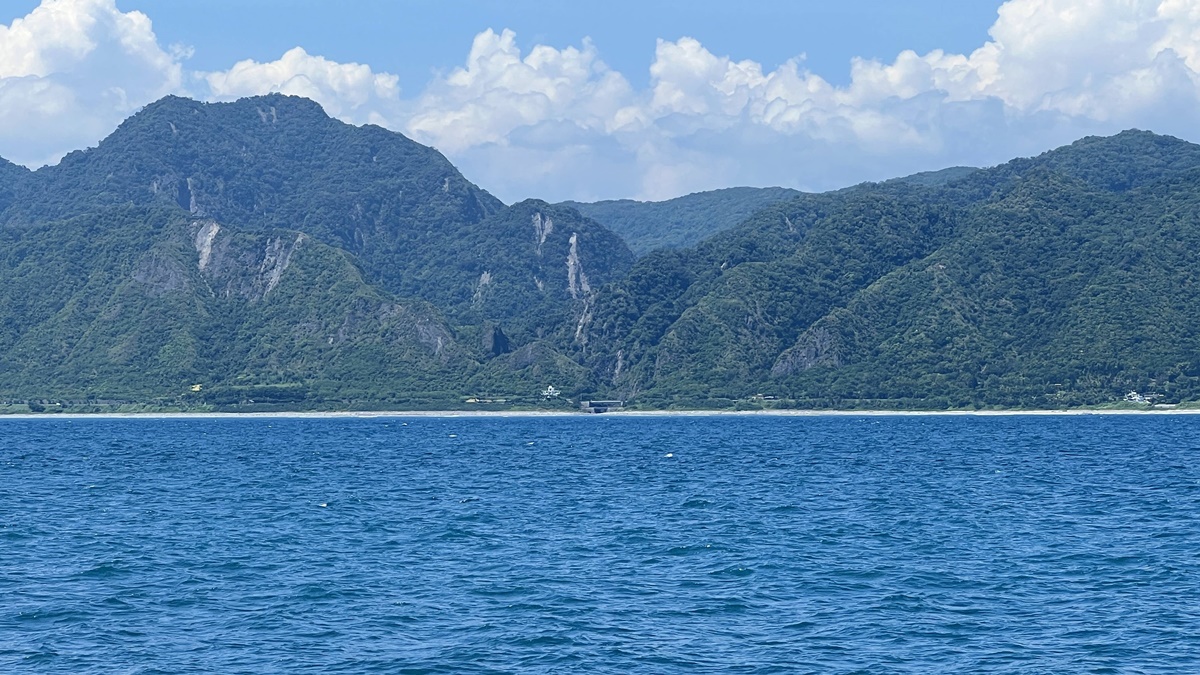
[[601, 544]]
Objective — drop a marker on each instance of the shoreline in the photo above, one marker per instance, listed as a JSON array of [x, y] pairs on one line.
[[372, 414]]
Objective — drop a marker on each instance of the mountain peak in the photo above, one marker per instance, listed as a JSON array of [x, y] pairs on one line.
[[1129, 140], [1117, 163], [270, 109], [172, 102]]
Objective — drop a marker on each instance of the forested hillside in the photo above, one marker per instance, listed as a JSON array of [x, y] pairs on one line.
[[260, 254], [266, 252], [681, 222], [688, 220], [1064, 279]]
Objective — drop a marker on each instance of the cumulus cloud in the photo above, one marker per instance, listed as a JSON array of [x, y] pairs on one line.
[[1052, 70], [71, 70], [498, 92], [349, 91], [559, 123]]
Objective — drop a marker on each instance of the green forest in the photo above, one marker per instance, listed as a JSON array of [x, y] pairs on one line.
[[259, 255]]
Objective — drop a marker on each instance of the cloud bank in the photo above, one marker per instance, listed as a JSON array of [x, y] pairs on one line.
[[559, 123], [71, 71]]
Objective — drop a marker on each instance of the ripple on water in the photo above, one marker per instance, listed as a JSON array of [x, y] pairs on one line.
[[689, 544]]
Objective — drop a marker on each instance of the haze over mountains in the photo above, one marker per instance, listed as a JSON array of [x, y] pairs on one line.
[[259, 251]]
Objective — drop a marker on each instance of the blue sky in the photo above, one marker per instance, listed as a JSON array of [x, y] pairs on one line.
[[416, 38], [650, 100]]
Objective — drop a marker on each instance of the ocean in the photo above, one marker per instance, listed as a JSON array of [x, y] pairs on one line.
[[601, 544]]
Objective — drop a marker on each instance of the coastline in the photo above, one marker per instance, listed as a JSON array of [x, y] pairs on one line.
[[617, 414]]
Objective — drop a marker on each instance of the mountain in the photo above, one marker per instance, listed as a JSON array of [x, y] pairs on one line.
[[531, 267], [133, 303], [688, 220], [1063, 279], [267, 252], [259, 255], [279, 162], [681, 222]]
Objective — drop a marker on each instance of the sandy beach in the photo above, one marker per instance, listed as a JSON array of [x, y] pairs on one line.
[[621, 414]]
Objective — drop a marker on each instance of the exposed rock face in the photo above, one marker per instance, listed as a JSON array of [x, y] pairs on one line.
[[262, 164], [580, 288], [431, 334], [480, 288], [193, 205], [542, 228], [526, 356], [204, 241], [532, 267], [243, 266], [275, 260], [495, 342], [818, 346], [577, 281], [585, 318], [399, 323]]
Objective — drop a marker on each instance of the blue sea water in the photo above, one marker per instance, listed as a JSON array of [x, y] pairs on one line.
[[890, 544]]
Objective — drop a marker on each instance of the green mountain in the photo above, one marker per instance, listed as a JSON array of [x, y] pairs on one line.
[[681, 222], [134, 303], [259, 254], [1058, 280], [279, 162], [269, 253], [688, 220]]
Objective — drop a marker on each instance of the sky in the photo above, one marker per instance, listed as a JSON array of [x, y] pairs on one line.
[[622, 99]]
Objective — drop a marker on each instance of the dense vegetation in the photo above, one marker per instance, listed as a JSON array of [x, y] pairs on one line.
[[1065, 279], [268, 253], [686, 221], [681, 222], [258, 254]]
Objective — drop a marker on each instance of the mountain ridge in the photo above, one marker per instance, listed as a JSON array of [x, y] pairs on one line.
[[259, 253], [842, 353], [200, 227]]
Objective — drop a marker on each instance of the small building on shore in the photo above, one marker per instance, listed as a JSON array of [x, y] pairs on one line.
[[600, 406]]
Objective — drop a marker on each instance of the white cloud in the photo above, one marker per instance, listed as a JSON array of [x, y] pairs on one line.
[[558, 122], [1077, 58], [349, 91], [70, 71], [1052, 70], [498, 92]]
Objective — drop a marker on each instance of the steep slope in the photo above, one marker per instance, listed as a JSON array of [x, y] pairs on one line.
[[143, 303], [265, 251], [530, 269], [267, 162], [12, 180], [1061, 279], [709, 322], [1071, 305], [412, 224], [259, 253], [543, 282], [279, 162]]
